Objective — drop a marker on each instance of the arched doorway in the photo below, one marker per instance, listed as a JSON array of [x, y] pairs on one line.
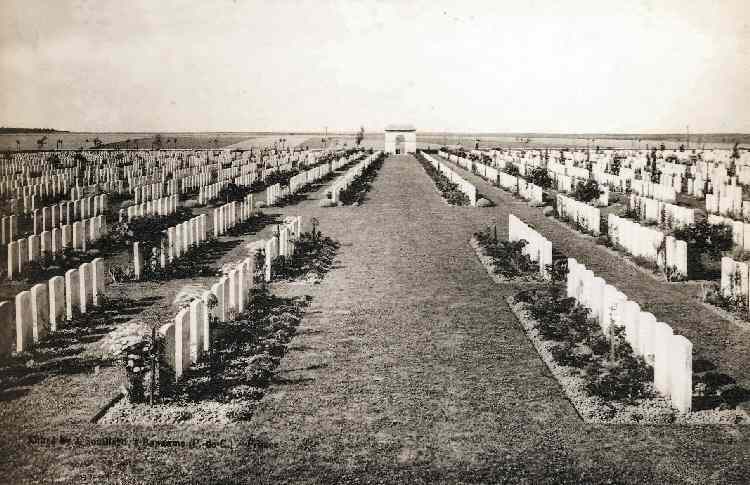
[[400, 144]]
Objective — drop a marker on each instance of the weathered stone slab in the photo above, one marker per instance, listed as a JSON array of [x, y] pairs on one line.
[[56, 301], [72, 292], [98, 281], [198, 317], [24, 322]]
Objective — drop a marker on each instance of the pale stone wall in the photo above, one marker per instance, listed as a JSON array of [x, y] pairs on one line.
[[410, 141]]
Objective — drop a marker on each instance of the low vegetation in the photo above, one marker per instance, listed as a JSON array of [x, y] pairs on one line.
[[607, 362], [508, 259], [356, 192], [450, 191]]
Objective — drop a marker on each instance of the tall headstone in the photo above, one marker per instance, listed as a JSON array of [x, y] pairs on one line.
[[646, 329], [182, 342], [137, 261], [167, 333], [24, 322], [56, 302], [209, 306], [198, 317], [22, 254], [98, 281], [220, 310], [681, 374], [72, 292], [35, 248], [12, 260], [40, 311], [84, 281]]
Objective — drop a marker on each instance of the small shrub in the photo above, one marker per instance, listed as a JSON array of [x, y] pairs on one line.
[[539, 176], [587, 191]]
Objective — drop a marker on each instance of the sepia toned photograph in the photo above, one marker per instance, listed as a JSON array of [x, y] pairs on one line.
[[374, 242]]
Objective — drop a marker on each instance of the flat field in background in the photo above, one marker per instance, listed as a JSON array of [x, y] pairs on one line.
[[373, 139]]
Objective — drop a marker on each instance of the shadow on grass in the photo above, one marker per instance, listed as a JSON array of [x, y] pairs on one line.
[[255, 224], [63, 352]]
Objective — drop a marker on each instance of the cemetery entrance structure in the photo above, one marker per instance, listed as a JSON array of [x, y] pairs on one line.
[[400, 139]]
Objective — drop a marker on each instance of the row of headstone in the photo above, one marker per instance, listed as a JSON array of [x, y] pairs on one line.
[[52, 187], [245, 180], [645, 188], [656, 210], [343, 181], [696, 187], [189, 336], [42, 309], [580, 212], [160, 207], [143, 193], [307, 177], [564, 183], [649, 243], [673, 180], [229, 215], [464, 185], [81, 191], [282, 243], [529, 191], [740, 230], [494, 176], [538, 248], [179, 241], [8, 229], [670, 355], [78, 236], [734, 279], [616, 182], [726, 200], [210, 192], [67, 212]]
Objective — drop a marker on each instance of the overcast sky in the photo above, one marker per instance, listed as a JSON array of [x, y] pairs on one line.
[[494, 66]]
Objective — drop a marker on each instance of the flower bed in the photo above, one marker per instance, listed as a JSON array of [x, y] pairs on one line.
[[602, 377], [504, 260], [449, 190], [226, 385], [355, 193]]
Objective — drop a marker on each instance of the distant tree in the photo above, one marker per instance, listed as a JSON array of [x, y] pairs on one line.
[[736, 150], [97, 142], [158, 141], [18, 145], [360, 135]]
